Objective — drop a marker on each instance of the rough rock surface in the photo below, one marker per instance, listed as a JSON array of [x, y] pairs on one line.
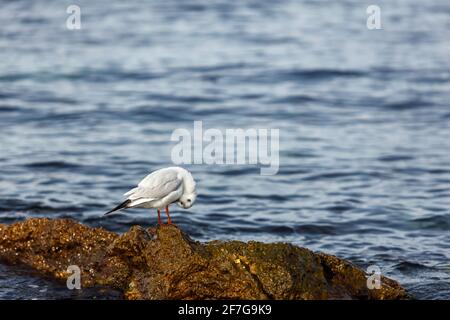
[[164, 263]]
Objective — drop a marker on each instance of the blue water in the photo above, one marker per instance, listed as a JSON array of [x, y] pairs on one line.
[[363, 117]]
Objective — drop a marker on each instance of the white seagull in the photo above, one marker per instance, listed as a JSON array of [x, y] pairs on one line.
[[161, 188]]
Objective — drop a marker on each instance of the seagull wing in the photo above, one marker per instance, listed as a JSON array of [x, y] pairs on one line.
[[155, 186]]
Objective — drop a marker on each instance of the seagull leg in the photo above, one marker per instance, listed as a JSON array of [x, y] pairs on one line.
[[168, 216], [159, 217]]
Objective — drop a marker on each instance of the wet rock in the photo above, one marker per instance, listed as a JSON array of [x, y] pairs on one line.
[[164, 263]]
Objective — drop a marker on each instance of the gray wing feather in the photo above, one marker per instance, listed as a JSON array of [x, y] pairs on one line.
[[156, 186]]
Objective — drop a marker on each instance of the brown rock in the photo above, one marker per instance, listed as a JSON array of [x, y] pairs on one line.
[[164, 263]]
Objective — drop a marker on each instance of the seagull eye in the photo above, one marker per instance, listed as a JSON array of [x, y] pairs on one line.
[[189, 200]]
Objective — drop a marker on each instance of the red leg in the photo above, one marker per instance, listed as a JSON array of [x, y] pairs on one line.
[[159, 217], [168, 216]]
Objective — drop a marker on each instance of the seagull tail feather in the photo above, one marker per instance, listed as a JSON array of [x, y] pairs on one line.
[[121, 206]]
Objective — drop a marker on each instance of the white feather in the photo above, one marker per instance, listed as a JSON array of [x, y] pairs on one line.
[[161, 188]]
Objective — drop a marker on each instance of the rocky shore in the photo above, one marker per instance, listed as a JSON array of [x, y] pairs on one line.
[[164, 263]]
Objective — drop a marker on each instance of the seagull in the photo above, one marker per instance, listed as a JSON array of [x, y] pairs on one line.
[[161, 188]]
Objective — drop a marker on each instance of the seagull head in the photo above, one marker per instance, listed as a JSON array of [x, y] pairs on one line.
[[187, 200]]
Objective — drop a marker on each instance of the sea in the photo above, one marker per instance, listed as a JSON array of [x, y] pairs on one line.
[[92, 92]]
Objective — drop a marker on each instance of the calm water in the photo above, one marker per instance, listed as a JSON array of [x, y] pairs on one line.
[[363, 117]]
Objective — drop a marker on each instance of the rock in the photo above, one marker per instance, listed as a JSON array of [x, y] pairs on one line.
[[164, 263]]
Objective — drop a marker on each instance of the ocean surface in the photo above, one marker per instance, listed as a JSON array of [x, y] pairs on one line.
[[363, 117]]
